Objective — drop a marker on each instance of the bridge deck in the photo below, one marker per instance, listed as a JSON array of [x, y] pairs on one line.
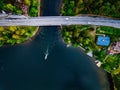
[[59, 20]]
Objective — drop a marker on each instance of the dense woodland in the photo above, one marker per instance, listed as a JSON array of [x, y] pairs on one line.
[[85, 36], [109, 8]]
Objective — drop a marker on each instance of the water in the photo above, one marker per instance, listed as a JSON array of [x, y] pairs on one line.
[[25, 66]]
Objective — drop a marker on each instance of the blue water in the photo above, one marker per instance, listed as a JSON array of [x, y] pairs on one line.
[[24, 66]]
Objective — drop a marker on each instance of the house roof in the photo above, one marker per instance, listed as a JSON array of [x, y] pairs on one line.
[[114, 48], [103, 40]]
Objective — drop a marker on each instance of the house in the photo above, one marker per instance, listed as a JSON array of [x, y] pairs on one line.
[[114, 48], [19, 1], [103, 41]]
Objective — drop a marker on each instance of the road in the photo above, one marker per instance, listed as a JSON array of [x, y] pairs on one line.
[[59, 20]]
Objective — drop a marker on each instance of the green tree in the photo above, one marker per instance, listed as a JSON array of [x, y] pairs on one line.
[[28, 2]]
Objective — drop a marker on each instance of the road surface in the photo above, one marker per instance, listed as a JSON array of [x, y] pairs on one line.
[[59, 20]]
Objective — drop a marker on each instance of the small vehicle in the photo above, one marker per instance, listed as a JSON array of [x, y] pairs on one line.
[[67, 19]]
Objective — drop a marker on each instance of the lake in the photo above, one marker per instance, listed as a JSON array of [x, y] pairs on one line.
[[45, 63]]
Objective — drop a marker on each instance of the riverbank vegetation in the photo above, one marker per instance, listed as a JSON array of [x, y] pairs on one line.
[[101, 7], [15, 34], [86, 36]]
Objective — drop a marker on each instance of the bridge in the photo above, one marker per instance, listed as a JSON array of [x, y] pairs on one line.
[[58, 21]]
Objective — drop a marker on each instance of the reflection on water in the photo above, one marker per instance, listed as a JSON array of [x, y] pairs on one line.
[[23, 67]]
